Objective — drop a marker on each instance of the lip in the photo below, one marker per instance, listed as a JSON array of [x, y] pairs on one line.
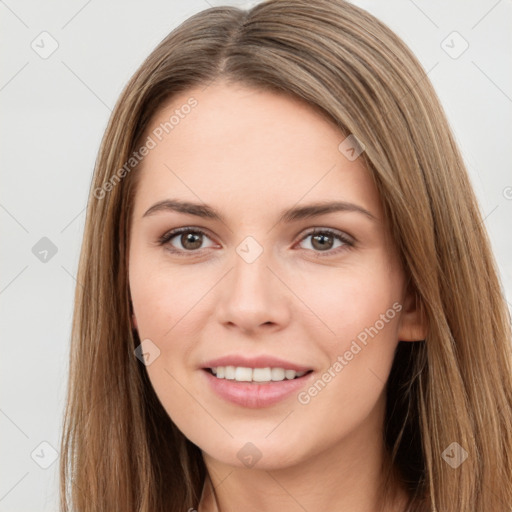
[[261, 361], [255, 395]]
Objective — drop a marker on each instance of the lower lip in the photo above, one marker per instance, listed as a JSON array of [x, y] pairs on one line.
[[255, 395]]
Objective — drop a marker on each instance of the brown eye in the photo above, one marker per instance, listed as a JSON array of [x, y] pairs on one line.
[[185, 240], [191, 241], [327, 241], [322, 242]]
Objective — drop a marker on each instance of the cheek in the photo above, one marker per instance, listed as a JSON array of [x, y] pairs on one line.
[[348, 300], [162, 296], [359, 310], [163, 302]]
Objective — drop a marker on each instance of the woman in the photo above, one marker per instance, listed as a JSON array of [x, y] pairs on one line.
[[287, 296]]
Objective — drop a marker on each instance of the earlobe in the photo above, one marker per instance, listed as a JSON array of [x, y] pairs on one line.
[[413, 321], [134, 322]]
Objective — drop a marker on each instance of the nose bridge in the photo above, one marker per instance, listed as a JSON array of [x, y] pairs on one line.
[[251, 281], [251, 275], [252, 295]]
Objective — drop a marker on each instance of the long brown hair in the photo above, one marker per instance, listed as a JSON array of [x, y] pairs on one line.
[[120, 450]]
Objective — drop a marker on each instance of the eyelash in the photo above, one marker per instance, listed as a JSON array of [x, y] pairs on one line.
[[345, 239]]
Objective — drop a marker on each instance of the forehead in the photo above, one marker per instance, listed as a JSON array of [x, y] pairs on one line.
[[256, 147], [246, 118]]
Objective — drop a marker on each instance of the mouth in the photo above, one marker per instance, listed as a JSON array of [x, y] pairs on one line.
[[256, 375], [255, 381]]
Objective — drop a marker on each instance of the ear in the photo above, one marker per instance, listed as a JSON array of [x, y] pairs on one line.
[[413, 321], [134, 322]]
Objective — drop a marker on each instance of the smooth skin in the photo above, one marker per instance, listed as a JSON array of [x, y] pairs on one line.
[[251, 154]]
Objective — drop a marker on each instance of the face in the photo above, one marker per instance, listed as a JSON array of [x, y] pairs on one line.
[[270, 322]]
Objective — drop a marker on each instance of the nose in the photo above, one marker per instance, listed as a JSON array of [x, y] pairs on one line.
[[253, 298]]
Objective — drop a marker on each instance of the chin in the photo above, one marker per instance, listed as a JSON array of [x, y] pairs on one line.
[[260, 453]]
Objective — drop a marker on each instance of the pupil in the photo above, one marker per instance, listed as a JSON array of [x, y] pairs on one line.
[[322, 245], [193, 239]]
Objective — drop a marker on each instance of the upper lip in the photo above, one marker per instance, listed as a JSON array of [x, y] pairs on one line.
[[261, 361]]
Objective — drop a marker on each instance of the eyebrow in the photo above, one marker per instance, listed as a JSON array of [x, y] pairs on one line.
[[290, 215]]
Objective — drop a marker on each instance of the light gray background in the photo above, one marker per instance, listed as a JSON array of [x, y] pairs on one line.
[[54, 112]]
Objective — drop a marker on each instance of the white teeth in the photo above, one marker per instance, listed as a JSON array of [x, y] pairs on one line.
[[289, 374], [229, 373], [261, 375], [277, 373], [244, 374]]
